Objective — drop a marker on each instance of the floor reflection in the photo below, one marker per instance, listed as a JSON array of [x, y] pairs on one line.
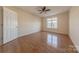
[[40, 42], [52, 40]]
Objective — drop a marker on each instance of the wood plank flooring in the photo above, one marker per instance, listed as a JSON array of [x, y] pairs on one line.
[[41, 42]]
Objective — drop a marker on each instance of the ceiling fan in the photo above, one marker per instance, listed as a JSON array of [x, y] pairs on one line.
[[43, 9]]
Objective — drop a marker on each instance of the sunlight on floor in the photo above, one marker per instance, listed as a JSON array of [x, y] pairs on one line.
[[52, 40]]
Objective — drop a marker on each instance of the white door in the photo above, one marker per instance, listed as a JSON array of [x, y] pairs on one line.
[[9, 25]]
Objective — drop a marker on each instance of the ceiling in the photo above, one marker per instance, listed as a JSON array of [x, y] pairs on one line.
[[54, 10]]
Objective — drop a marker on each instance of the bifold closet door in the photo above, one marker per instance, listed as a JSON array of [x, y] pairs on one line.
[[9, 25], [1, 25]]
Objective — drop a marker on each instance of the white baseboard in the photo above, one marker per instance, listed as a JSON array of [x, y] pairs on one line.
[[76, 46]]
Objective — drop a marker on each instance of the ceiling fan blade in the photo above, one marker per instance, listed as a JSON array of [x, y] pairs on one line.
[[47, 10], [41, 12], [44, 8]]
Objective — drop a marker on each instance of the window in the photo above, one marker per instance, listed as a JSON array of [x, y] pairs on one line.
[[52, 23]]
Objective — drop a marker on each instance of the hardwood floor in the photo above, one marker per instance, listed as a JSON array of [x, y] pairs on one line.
[[41, 42]]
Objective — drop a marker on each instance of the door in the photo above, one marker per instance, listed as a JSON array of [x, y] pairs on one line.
[[9, 25], [1, 26]]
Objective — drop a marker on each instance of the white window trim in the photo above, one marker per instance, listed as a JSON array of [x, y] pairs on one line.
[[51, 23]]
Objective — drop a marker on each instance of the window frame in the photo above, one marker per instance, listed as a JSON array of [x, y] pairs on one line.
[[52, 26]]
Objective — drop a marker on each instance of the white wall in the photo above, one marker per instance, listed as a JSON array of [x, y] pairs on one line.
[[63, 23], [74, 26], [27, 23]]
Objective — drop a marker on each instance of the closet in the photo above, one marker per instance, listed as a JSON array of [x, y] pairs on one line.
[[10, 24]]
